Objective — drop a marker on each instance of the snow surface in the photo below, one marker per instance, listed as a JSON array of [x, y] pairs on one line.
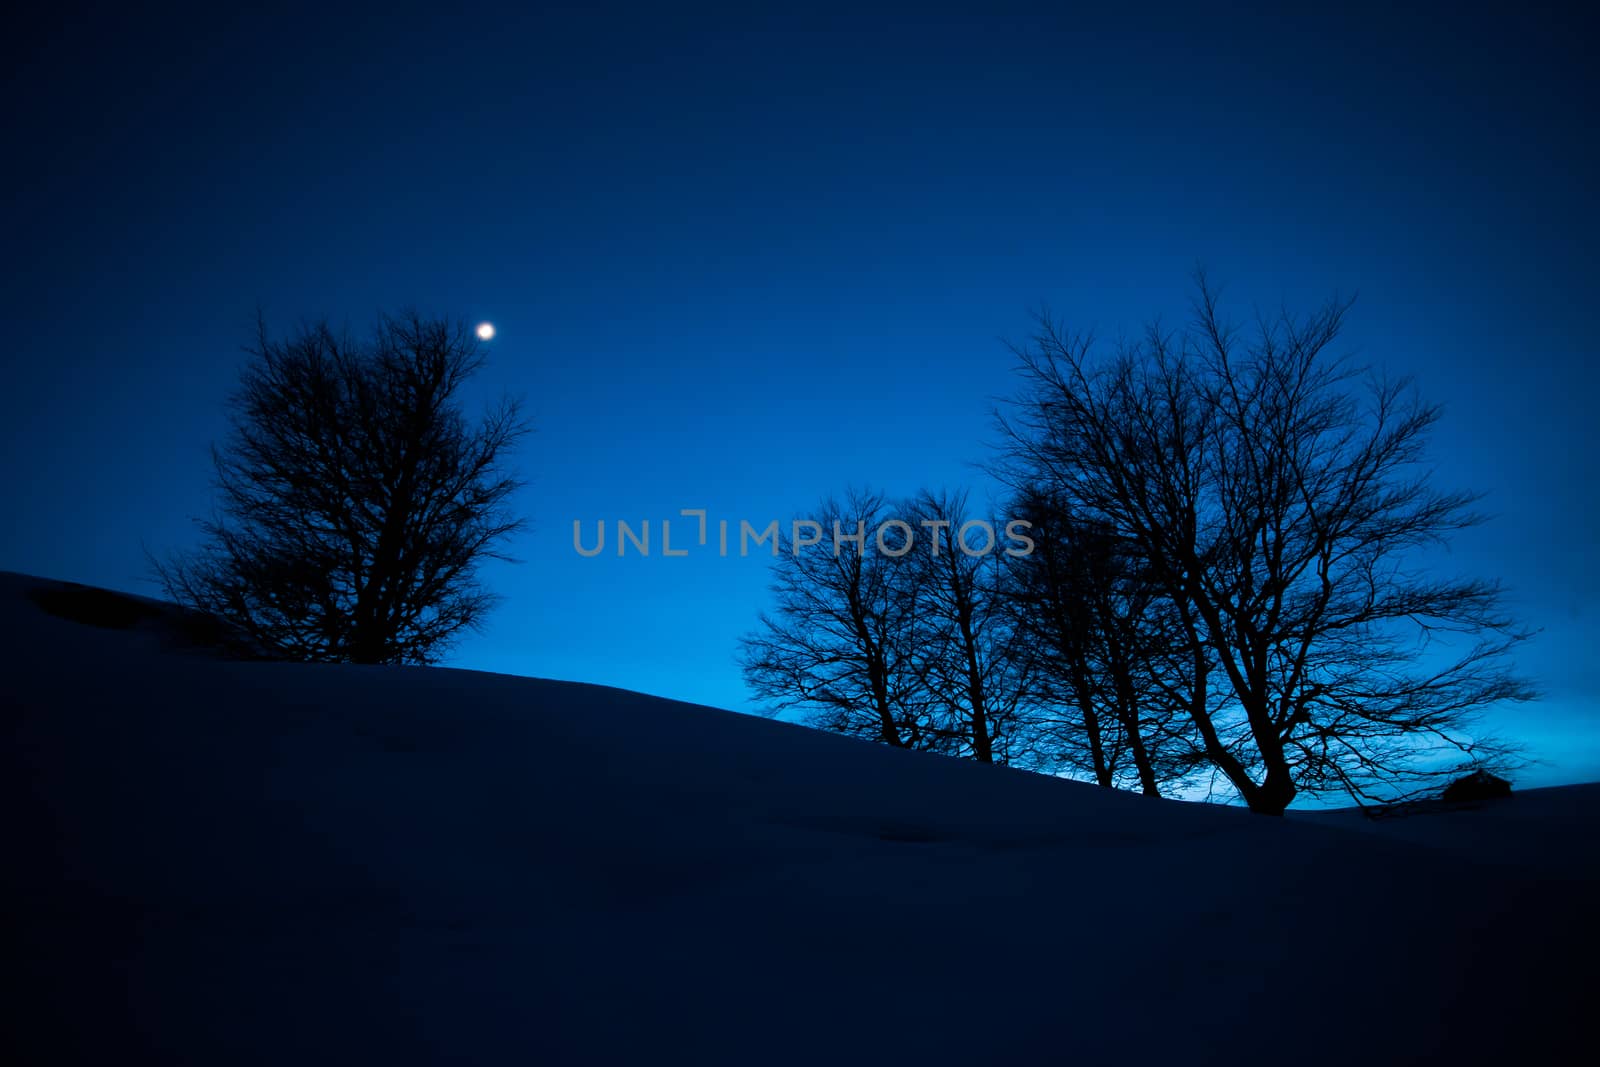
[[231, 862]]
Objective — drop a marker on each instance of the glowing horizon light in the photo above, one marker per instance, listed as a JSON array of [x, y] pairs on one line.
[[485, 331]]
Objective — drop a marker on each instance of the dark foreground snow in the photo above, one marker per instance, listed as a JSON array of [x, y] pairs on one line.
[[222, 862]]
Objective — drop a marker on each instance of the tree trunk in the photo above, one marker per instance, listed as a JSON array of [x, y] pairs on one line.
[[1091, 726]]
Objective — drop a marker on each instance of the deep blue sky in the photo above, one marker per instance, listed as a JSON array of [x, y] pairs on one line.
[[741, 259]]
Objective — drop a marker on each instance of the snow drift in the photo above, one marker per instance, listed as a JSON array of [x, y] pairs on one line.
[[220, 861]]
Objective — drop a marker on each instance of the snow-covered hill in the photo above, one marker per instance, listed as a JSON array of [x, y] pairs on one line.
[[221, 861]]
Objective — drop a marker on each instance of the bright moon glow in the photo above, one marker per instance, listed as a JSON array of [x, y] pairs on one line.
[[485, 330]]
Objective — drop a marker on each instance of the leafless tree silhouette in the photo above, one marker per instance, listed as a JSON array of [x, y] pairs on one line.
[[1275, 495], [970, 651], [1107, 695], [355, 498], [894, 632], [840, 645]]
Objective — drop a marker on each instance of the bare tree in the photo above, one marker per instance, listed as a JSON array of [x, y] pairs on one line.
[[969, 651], [356, 499], [1106, 690], [1277, 496], [840, 646]]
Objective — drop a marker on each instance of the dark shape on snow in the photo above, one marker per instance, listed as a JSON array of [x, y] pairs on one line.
[[1479, 785], [94, 607], [177, 627]]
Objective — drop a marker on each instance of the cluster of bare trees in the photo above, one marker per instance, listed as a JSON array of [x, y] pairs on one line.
[[912, 646], [1225, 583], [1045, 657], [1107, 683]]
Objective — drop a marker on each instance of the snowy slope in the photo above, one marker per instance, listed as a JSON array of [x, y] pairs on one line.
[[232, 862]]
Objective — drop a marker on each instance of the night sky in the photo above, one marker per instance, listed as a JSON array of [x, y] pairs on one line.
[[739, 259]]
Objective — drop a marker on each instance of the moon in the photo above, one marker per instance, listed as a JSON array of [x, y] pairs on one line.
[[485, 331]]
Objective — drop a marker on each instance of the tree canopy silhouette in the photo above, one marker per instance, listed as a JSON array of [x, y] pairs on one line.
[[1109, 677], [841, 642], [355, 497]]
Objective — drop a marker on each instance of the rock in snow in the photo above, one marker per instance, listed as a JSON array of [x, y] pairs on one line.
[[1479, 785]]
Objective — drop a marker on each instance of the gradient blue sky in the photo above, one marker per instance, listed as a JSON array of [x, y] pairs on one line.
[[741, 258]]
